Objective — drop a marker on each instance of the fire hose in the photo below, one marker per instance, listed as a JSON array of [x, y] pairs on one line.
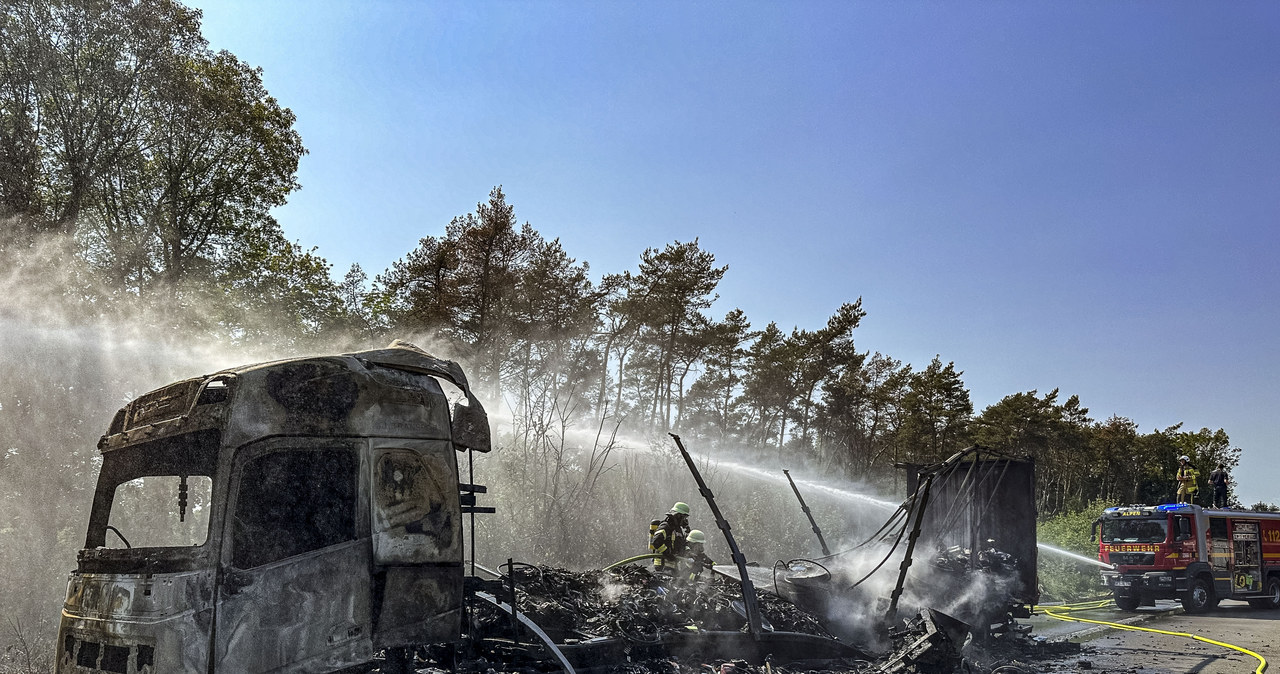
[[649, 555], [1056, 612]]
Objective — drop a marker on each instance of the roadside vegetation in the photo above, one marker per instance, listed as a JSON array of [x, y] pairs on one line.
[[1063, 578]]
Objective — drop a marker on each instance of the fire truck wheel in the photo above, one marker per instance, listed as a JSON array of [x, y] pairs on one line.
[[1128, 602], [1199, 597], [1272, 600]]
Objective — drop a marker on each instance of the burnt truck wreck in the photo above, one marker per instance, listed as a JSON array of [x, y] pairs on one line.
[[306, 516], [318, 519]]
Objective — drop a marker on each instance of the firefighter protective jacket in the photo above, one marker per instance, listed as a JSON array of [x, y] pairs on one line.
[[668, 541], [1187, 477]]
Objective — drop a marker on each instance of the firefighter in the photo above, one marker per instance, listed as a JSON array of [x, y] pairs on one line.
[[1187, 480], [696, 559], [669, 538], [1219, 479]]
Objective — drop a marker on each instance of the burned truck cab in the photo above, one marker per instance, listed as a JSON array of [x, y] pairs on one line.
[[293, 516]]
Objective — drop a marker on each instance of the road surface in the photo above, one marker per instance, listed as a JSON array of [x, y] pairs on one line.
[[1126, 652]]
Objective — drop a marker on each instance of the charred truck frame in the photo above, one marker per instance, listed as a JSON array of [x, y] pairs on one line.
[[319, 519]]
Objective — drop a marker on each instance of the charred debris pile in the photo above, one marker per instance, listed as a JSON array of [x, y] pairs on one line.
[[632, 603], [629, 619]]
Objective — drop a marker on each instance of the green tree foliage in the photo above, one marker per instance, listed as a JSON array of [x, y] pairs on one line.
[[155, 161], [79, 79], [279, 294], [1063, 578], [769, 386], [216, 155], [713, 399], [861, 414], [935, 414], [672, 287], [420, 291], [1051, 432], [359, 317], [1079, 461], [619, 334], [820, 355], [498, 294]]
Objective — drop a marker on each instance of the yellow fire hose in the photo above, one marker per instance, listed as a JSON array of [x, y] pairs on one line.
[[1056, 613], [628, 560]]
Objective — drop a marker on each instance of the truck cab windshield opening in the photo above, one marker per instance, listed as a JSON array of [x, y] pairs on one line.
[[156, 494], [1135, 531]]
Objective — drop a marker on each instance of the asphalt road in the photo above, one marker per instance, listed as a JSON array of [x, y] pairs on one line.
[[1127, 652], [1054, 629]]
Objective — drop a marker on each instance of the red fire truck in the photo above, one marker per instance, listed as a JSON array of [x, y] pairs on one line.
[[1198, 555]]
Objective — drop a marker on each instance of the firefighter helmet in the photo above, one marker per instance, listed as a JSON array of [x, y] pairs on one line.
[[696, 536], [1184, 457], [680, 508]]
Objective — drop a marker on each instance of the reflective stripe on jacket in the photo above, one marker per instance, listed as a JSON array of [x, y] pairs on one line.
[[1187, 477], [667, 543]]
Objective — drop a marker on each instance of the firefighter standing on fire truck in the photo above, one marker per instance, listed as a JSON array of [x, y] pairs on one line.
[[1219, 479], [1187, 478]]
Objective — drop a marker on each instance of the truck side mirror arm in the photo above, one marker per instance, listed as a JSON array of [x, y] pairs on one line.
[[1093, 530]]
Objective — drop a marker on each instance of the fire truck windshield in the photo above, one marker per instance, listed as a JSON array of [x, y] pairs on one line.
[[1135, 530]]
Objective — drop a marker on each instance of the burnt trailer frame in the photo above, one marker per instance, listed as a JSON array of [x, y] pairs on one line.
[[377, 565], [979, 495]]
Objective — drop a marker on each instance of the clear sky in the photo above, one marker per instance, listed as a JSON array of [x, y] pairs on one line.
[[1080, 195]]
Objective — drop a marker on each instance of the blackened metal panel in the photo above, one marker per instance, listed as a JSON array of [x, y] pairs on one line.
[[417, 542], [165, 619], [415, 504], [308, 613], [988, 499], [420, 605], [295, 599], [162, 404]]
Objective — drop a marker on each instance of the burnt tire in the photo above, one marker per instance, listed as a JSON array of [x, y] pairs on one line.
[[1128, 602], [1199, 596], [1272, 600]]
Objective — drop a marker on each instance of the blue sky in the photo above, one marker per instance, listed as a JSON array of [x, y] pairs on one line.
[[1078, 195]]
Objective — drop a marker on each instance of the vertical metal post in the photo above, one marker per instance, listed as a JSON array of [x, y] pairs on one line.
[[748, 589], [974, 542], [471, 480], [515, 617], [466, 603], [892, 614], [807, 512]]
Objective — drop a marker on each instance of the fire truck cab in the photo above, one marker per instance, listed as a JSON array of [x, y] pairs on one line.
[[294, 516], [1197, 555]]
